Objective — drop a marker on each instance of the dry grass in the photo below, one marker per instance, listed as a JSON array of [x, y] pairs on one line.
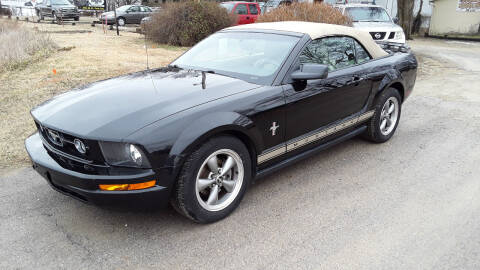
[[92, 56], [309, 12], [19, 45]]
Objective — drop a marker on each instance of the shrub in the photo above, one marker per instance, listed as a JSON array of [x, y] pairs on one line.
[[18, 45], [310, 12], [186, 23]]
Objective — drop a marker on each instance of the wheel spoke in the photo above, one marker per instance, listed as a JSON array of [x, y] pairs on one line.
[[228, 185], [203, 183], [213, 197], [212, 164], [389, 122], [391, 108], [229, 163], [383, 124]]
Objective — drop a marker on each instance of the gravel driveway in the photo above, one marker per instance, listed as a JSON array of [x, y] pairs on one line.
[[411, 203]]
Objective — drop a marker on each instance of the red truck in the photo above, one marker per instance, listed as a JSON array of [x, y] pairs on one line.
[[247, 12]]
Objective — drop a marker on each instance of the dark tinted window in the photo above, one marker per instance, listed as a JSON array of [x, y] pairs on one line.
[[253, 9], [361, 53], [241, 9], [134, 9], [335, 52]]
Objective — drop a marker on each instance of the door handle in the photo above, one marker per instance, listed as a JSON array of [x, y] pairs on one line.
[[357, 79], [248, 18]]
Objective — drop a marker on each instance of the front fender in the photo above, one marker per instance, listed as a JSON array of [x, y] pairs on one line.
[[207, 126]]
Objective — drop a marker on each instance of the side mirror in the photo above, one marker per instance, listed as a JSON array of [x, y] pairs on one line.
[[49, 5], [310, 72], [395, 20]]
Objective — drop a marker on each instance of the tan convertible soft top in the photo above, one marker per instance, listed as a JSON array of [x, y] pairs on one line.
[[318, 30]]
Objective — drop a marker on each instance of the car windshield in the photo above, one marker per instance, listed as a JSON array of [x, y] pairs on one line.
[[253, 57], [228, 6], [123, 8], [60, 2], [368, 14]]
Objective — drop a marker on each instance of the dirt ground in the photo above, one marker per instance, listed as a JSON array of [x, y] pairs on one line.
[[86, 54]]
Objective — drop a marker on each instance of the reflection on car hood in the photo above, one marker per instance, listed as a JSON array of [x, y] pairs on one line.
[[377, 26], [115, 108]]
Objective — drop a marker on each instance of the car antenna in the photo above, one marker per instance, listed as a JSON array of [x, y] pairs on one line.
[[145, 43]]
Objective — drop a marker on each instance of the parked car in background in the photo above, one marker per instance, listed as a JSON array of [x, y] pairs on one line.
[[247, 12], [57, 10], [375, 20], [273, 4], [128, 14]]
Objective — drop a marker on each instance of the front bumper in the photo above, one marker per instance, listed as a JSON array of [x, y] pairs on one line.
[[84, 187], [110, 20], [68, 15]]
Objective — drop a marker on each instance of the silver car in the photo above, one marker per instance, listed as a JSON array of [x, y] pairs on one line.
[[128, 14]]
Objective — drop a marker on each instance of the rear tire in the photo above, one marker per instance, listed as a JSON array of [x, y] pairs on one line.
[[213, 180], [384, 123]]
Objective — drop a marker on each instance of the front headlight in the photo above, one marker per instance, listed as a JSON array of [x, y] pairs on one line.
[[110, 16], [124, 154], [399, 35]]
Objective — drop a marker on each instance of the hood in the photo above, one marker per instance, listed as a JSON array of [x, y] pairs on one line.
[[114, 108], [109, 13], [377, 26]]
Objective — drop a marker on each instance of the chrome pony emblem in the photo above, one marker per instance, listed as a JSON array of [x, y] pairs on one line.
[[55, 137], [273, 128]]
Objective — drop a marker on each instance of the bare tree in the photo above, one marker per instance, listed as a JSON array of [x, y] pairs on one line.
[[405, 16], [418, 19]]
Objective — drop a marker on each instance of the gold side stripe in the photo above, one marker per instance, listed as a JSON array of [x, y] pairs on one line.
[[314, 137], [272, 154]]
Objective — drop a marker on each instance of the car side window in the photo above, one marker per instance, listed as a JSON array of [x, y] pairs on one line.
[[134, 9], [241, 9], [335, 52], [253, 9], [361, 53]]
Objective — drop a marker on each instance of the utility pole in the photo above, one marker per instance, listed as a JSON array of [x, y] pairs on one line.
[[115, 15]]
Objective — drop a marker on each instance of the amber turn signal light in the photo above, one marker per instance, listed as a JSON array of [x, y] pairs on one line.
[[136, 186]]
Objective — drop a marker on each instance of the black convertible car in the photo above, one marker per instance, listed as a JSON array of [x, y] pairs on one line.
[[240, 104]]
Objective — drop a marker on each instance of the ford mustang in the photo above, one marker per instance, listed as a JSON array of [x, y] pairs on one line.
[[239, 105]]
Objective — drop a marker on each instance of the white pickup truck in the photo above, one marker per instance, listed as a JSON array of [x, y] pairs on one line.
[[375, 20]]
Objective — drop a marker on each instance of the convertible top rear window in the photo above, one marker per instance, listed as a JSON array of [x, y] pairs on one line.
[[253, 57]]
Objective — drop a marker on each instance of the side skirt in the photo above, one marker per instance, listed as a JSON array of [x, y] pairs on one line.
[[309, 153]]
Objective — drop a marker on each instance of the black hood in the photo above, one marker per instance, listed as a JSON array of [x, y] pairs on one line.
[[114, 108]]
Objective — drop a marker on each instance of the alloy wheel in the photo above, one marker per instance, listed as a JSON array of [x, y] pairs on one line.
[[219, 180], [389, 116]]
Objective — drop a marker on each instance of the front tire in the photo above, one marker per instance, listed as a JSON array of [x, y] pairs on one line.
[[213, 180], [121, 21], [383, 124]]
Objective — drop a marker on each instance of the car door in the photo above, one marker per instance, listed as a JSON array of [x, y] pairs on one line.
[[315, 104], [253, 12], [133, 15], [241, 11], [46, 8]]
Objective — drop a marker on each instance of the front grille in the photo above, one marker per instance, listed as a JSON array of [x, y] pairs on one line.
[[378, 35], [64, 144], [392, 35]]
